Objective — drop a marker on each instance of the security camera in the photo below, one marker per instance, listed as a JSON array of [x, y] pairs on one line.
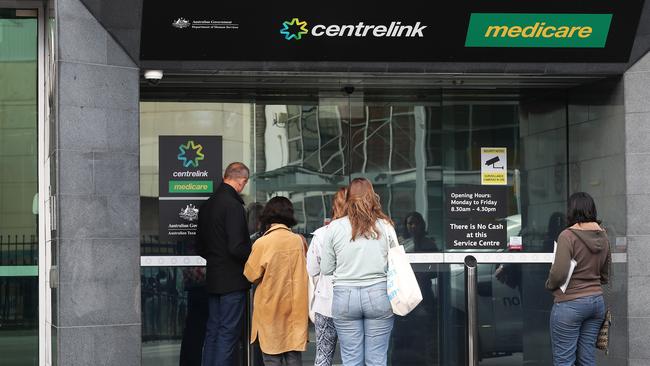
[[153, 76], [348, 89]]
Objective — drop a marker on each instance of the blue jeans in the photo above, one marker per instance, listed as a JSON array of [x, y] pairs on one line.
[[224, 327], [574, 328], [364, 320]]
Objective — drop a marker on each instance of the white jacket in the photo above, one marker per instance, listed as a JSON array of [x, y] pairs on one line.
[[323, 288]]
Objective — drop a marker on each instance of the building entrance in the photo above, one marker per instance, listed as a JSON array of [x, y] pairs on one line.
[[421, 150]]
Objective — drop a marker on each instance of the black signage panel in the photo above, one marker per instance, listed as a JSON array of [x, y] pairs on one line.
[[476, 217], [190, 166], [190, 171], [178, 220], [476, 202], [406, 31], [476, 235]]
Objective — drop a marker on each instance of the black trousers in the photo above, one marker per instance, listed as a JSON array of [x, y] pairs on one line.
[[194, 334], [291, 358]]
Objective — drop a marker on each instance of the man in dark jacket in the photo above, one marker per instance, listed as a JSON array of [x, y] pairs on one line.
[[224, 242]]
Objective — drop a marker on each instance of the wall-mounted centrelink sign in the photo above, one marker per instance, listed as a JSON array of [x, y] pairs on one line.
[[475, 217], [190, 170], [407, 31]]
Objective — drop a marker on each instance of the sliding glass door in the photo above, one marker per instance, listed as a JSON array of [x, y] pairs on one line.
[[419, 151]]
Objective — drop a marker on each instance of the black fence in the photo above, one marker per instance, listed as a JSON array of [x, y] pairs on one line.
[[151, 245], [164, 304], [18, 303], [18, 250], [18, 294]]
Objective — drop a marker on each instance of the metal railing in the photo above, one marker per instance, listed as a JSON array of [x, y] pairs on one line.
[[471, 309], [18, 303]]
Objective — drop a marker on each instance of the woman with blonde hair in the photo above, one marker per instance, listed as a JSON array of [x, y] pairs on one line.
[[321, 305], [355, 251]]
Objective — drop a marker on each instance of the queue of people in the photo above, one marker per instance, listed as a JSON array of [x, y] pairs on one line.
[[347, 262], [347, 258]]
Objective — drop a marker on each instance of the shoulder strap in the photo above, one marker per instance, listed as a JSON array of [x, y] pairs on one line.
[[389, 238], [305, 247], [577, 238]]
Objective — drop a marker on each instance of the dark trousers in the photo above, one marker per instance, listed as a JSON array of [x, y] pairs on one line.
[[195, 321], [291, 358], [223, 331]]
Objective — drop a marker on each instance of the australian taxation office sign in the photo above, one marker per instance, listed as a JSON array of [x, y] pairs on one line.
[[404, 31]]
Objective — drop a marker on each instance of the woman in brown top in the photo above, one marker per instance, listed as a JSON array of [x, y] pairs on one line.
[[579, 309], [277, 265]]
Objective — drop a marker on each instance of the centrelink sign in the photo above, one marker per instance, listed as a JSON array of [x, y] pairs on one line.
[[510, 31], [394, 29]]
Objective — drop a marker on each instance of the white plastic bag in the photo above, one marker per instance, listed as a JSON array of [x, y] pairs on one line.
[[311, 293], [402, 286]]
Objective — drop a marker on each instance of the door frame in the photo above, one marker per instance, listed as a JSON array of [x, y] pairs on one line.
[[44, 303]]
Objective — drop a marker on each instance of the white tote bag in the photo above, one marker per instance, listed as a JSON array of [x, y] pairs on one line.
[[402, 286]]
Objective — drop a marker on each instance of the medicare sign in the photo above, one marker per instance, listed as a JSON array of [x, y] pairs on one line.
[[538, 30]]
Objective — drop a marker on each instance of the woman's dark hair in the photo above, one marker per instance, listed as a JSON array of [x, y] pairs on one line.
[[418, 219], [279, 210], [581, 208]]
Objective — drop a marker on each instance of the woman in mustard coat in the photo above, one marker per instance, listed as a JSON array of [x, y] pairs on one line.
[[277, 265]]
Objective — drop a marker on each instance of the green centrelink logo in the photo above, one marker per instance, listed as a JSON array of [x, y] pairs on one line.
[[195, 149]]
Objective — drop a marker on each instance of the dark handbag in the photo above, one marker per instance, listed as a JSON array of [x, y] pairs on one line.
[[602, 342]]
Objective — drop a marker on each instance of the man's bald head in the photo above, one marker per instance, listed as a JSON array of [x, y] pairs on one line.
[[236, 175]]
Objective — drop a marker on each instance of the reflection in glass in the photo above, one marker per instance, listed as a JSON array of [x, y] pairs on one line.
[[534, 134], [174, 314], [231, 121], [513, 314], [414, 236], [416, 338], [302, 156], [18, 187]]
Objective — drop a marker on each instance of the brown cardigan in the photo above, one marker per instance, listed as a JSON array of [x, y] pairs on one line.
[[589, 247]]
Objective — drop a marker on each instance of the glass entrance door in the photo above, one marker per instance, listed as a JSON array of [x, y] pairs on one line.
[[414, 148], [19, 295]]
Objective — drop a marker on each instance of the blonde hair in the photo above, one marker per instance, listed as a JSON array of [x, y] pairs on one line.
[[338, 203], [364, 209]]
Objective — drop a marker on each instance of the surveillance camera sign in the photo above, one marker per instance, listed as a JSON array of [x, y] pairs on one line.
[[494, 166]]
